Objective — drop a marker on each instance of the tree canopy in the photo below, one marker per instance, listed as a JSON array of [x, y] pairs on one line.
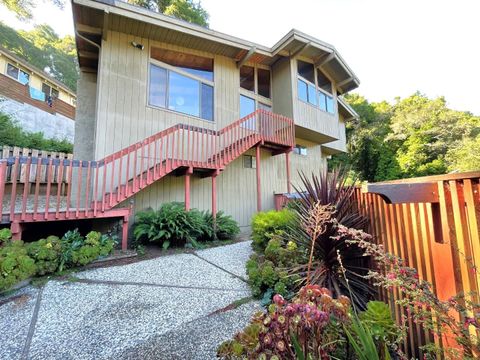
[[187, 10], [43, 48], [23, 9], [416, 136]]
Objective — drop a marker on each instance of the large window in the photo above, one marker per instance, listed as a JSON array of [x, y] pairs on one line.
[[247, 106], [19, 75], [247, 80], [300, 150], [188, 90], [319, 94], [49, 91]]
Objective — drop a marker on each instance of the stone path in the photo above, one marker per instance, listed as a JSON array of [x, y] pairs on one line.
[[172, 307]]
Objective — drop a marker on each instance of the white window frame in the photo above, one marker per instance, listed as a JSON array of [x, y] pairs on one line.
[[174, 69], [19, 70], [317, 88]]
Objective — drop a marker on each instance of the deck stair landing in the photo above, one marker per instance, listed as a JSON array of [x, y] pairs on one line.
[[34, 189]]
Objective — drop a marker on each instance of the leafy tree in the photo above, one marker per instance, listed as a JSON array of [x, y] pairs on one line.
[[23, 9], [43, 48], [416, 136], [187, 10]]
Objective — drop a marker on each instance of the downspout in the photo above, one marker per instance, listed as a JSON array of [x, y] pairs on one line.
[[87, 40]]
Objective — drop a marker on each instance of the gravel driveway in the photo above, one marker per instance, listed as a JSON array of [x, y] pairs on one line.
[[172, 307]]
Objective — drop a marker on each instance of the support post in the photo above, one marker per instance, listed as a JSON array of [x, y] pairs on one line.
[[259, 191], [214, 193], [287, 159], [188, 174], [125, 233], [16, 229]]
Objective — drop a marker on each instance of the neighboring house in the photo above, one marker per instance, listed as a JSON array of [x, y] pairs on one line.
[[143, 72], [35, 99]]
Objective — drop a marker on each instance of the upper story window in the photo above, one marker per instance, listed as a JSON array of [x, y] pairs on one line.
[[314, 90], [19, 75], [49, 91], [182, 82], [256, 80], [300, 150]]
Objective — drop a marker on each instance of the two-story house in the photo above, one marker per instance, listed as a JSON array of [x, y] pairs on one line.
[[171, 111], [143, 72]]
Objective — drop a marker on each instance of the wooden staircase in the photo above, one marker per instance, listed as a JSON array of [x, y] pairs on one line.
[[98, 188]]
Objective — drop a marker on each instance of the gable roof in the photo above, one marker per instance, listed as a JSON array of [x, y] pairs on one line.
[[26, 65], [93, 18]]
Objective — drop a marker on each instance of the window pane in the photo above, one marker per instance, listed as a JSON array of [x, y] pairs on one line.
[[55, 94], [263, 82], [302, 90], [322, 98], [207, 102], [247, 106], [306, 70], [300, 150], [158, 86], [12, 71], [183, 94], [46, 89], [312, 94], [323, 82], [330, 105], [193, 64], [24, 77], [264, 107], [247, 78]]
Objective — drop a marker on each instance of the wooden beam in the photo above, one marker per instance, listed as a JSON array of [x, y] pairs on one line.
[[325, 59], [86, 29], [87, 54], [405, 193], [343, 82], [105, 25], [247, 56], [300, 49]]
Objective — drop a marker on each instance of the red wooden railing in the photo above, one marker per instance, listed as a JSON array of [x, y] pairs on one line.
[[98, 186]]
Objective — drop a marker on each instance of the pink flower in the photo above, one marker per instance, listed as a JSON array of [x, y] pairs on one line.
[[278, 300]]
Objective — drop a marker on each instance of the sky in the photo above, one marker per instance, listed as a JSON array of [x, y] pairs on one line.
[[395, 47]]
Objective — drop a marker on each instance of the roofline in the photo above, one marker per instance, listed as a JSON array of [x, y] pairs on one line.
[[347, 107], [122, 8], [32, 68]]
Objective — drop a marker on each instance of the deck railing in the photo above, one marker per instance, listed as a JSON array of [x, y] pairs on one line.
[[97, 186], [433, 223]]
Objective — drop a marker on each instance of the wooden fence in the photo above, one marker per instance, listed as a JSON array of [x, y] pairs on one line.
[[433, 223], [58, 179]]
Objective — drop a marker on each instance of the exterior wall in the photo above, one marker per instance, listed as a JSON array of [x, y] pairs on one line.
[[236, 185], [282, 88], [339, 145], [124, 117], [311, 117], [36, 80], [84, 146], [33, 119]]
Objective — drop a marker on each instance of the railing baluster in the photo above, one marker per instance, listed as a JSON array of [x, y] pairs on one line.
[[120, 177], [59, 187], [112, 178], [95, 190], [13, 196], [134, 180], [38, 172], [3, 180], [161, 158], [49, 185], [155, 160], [174, 155], [142, 156], [104, 185], [26, 186], [87, 185], [79, 188]]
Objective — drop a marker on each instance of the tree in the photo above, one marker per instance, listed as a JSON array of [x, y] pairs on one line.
[[23, 9], [464, 156], [187, 10], [43, 48]]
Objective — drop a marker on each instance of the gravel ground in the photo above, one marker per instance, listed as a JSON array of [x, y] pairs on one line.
[[171, 307], [15, 316], [197, 340], [231, 258]]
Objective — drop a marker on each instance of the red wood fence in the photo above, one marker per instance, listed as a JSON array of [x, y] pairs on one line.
[[433, 223]]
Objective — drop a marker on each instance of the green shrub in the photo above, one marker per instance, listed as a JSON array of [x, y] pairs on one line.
[[267, 224], [170, 225], [46, 253], [15, 264], [79, 251], [226, 227], [5, 235]]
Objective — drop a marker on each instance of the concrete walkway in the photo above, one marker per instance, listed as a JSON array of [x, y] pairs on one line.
[[172, 307]]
